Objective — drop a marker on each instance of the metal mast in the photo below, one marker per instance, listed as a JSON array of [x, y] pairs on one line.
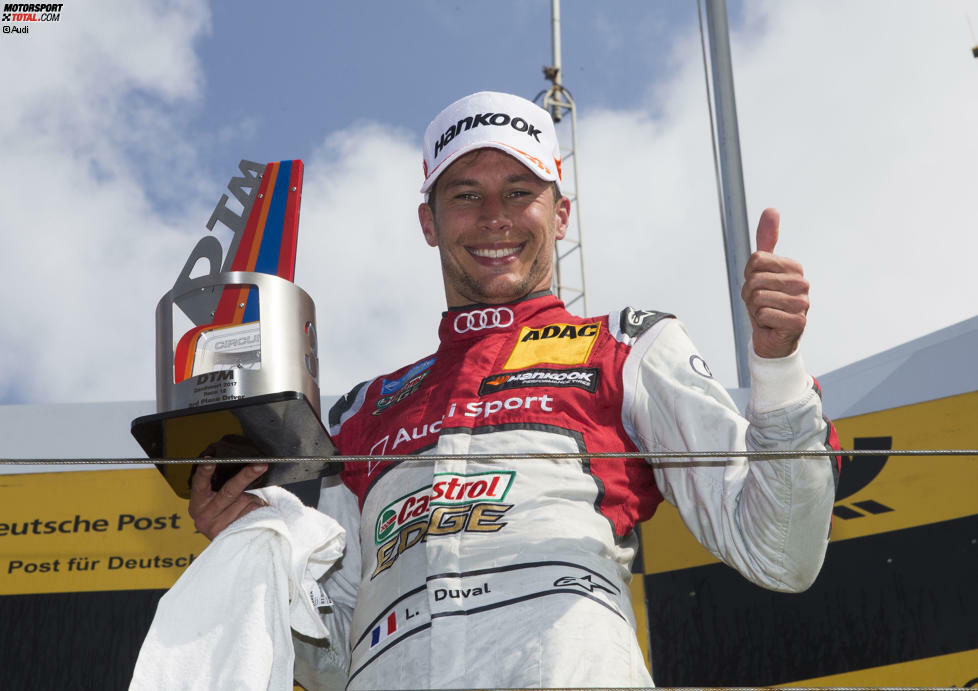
[[569, 257], [736, 236]]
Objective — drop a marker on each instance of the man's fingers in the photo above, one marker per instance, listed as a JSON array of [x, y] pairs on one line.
[[777, 300], [790, 324], [200, 487], [241, 506], [767, 230], [790, 283], [233, 488], [214, 511]]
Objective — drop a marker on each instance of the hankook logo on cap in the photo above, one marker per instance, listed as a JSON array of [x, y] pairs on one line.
[[485, 119], [489, 318]]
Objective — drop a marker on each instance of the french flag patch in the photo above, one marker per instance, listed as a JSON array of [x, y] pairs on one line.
[[384, 630]]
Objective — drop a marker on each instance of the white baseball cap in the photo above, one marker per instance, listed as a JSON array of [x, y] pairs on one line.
[[489, 119]]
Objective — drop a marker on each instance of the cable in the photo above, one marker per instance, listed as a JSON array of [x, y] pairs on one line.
[[428, 458]]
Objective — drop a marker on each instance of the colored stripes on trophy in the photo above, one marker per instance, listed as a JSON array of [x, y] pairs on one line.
[[267, 245]]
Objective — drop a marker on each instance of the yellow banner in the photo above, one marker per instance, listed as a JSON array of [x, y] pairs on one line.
[[84, 531], [906, 491], [943, 671]]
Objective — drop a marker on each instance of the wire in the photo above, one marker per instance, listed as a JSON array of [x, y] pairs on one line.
[[428, 458]]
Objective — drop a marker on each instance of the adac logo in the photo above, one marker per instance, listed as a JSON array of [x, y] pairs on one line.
[[580, 377], [857, 472], [554, 344], [396, 390]]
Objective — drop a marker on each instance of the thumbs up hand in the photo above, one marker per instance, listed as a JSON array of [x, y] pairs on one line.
[[775, 293]]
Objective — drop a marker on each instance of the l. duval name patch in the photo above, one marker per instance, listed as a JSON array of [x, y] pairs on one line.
[[554, 344], [581, 377]]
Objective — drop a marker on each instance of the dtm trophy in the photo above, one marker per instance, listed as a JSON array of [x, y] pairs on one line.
[[239, 377]]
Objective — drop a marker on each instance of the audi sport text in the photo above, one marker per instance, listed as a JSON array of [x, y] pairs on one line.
[[473, 409]]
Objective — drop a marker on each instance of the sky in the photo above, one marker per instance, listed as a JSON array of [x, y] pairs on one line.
[[121, 124]]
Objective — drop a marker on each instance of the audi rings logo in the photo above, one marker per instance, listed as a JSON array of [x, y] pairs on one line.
[[489, 318]]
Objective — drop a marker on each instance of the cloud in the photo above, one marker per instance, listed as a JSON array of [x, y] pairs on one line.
[[362, 258], [856, 121], [86, 247]]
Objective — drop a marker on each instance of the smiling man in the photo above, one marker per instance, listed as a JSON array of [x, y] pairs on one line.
[[466, 570]]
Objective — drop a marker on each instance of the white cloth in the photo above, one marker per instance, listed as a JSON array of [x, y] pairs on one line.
[[225, 624]]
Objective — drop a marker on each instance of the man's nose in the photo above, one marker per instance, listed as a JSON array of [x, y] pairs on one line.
[[494, 215]]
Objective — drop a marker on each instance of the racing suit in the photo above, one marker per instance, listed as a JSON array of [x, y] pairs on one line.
[[484, 573]]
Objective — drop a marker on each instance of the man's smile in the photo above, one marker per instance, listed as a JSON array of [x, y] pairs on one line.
[[495, 255]]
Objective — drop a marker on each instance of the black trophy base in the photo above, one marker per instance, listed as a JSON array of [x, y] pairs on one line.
[[278, 425]]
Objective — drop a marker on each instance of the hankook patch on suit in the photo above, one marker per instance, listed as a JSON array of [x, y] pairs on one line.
[[582, 378], [554, 344]]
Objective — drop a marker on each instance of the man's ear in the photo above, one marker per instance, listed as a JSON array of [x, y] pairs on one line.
[[427, 220], [562, 212]]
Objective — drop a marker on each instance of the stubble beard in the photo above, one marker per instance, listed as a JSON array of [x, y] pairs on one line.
[[478, 292]]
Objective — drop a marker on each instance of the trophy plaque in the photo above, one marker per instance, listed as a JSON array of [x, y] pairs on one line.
[[243, 378]]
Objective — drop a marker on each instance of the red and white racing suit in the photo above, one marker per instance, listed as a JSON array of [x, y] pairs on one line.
[[486, 573]]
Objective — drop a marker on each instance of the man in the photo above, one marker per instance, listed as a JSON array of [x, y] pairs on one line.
[[471, 571]]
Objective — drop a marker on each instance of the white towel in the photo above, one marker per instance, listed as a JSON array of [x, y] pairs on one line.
[[225, 624]]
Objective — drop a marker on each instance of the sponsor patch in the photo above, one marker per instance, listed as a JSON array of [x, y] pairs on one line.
[[385, 402], [636, 322], [448, 489], [477, 517], [554, 344], [396, 390], [582, 378], [389, 386]]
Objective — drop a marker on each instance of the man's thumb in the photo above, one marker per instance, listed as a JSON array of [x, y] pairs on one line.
[[767, 230]]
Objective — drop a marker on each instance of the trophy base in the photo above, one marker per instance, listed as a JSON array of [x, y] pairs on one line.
[[276, 425]]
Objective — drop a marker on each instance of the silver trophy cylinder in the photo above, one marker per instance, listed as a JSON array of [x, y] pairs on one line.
[[286, 352], [253, 382]]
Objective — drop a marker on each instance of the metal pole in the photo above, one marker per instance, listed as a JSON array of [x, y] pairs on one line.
[[736, 236], [555, 33]]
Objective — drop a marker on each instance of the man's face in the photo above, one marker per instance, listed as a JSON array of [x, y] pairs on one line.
[[494, 223]]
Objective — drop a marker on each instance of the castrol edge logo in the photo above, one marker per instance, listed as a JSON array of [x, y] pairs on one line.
[[448, 489]]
